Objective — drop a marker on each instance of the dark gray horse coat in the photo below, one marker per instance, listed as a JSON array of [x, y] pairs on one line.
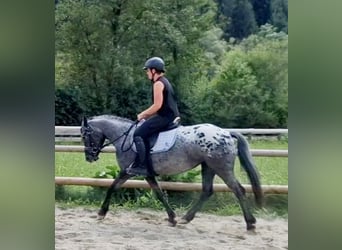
[[206, 144]]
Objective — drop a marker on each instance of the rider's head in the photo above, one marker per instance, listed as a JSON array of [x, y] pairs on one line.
[[154, 65]]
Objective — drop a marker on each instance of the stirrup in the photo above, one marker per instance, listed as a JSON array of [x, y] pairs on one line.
[[137, 171], [133, 170]]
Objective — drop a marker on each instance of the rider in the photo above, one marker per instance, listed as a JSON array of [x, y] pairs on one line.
[[157, 117]]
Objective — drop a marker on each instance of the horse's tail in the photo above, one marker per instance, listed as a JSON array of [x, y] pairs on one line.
[[248, 164]]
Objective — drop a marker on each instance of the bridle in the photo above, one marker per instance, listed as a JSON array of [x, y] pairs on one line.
[[95, 150]]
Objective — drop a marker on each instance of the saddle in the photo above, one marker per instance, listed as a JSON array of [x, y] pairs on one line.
[[164, 140]]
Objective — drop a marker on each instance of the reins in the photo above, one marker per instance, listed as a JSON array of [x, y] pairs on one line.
[[126, 133]]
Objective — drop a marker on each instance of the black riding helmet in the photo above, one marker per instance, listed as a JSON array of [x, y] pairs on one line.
[[155, 63]]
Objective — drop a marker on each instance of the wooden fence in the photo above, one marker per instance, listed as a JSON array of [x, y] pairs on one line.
[[166, 185], [72, 133], [111, 149]]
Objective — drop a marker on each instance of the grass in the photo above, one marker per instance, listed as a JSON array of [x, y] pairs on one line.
[[273, 171]]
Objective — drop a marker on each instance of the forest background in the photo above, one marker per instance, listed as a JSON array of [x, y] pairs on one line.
[[227, 59]]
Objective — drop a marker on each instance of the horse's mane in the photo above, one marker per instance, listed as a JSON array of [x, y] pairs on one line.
[[110, 117]]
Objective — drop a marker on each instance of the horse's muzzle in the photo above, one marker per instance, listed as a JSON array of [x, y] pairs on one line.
[[90, 158]]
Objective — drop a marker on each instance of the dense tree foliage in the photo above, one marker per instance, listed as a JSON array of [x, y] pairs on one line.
[[251, 88], [226, 67], [236, 18], [279, 14], [239, 18]]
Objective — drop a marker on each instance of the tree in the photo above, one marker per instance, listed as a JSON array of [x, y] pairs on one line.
[[104, 44], [69, 112], [262, 11], [268, 60], [279, 14], [243, 20], [237, 19], [223, 16], [214, 48], [251, 89]]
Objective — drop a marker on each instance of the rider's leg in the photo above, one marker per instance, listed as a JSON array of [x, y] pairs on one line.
[[143, 161], [138, 167]]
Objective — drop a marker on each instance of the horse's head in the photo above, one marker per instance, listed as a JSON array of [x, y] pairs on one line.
[[93, 140]]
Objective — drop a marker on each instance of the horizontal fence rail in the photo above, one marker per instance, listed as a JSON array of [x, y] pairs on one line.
[[111, 149], [72, 133], [175, 186], [75, 131]]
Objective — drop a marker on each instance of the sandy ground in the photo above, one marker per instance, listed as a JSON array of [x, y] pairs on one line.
[[78, 228]]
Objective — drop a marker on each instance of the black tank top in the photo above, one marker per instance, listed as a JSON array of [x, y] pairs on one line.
[[169, 107]]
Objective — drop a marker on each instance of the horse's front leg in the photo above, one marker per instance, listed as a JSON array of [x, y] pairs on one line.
[[160, 195], [121, 179]]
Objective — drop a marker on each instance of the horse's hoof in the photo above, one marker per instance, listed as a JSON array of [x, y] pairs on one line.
[[172, 223], [101, 214], [100, 217], [250, 227], [183, 221]]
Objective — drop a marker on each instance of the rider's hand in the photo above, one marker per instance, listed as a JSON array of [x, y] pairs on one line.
[[140, 116]]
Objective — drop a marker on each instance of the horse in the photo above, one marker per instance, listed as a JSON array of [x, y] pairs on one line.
[[210, 146]]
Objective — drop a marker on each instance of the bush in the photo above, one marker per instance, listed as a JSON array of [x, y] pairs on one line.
[[67, 109]]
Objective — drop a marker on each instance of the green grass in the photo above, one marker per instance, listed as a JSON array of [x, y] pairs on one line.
[[74, 164], [273, 171]]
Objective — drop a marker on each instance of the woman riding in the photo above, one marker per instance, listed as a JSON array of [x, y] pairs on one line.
[[157, 117]]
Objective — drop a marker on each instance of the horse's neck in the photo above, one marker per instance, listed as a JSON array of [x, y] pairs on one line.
[[114, 129], [115, 132]]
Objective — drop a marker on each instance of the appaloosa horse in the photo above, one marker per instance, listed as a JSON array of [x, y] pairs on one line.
[[205, 144]]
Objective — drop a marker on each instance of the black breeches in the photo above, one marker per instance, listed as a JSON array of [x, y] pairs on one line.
[[142, 133], [152, 125]]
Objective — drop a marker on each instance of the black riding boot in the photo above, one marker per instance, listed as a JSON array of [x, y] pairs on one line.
[[139, 166]]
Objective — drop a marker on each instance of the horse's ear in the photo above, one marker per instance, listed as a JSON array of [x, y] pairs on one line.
[[84, 122]]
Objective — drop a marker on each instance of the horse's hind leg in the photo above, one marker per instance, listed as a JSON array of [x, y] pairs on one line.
[[121, 179], [207, 190], [239, 191], [160, 195]]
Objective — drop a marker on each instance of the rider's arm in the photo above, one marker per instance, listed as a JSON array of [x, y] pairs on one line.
[[158, 88]]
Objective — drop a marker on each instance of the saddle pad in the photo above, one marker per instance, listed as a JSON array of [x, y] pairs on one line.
[[165, 141]]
